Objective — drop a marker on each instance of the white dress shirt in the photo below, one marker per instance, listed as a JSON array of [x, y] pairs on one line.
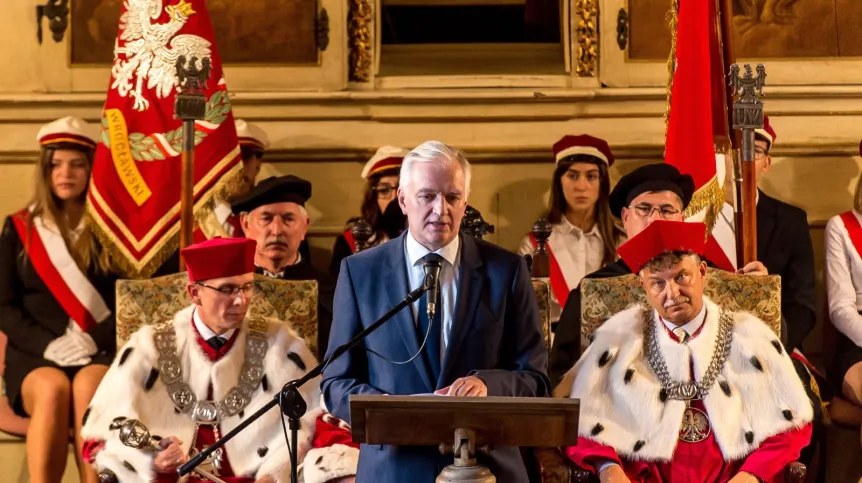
[[576, 252], [449, 276], [207, 333], [689, 327], [844, 279]]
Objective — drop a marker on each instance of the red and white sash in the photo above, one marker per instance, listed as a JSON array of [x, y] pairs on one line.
[[55, 266], [854, 230], [351, 242], [558, 280]]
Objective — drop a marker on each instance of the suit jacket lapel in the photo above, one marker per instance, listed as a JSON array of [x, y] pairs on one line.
[[396, 290], [766, 214], [470, 284]]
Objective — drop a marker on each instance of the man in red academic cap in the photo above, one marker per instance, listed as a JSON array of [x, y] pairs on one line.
[[197, 378], [685, 390]]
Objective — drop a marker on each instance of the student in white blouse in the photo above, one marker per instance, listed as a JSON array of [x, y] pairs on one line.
[[585, 236], [844, 294]]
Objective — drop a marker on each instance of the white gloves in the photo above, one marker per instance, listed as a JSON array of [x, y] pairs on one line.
[[72, 349]]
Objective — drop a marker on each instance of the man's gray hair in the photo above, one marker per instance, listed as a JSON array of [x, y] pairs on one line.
[[434, 152]]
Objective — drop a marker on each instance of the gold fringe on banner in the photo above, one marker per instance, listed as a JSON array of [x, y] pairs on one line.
[[205, 215], [120, 263], [672, 22], [709, 197]]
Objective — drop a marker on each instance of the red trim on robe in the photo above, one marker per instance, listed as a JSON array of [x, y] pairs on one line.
[[90, 448], [558, 280], [38, 255], [327, 434], [701, 461]]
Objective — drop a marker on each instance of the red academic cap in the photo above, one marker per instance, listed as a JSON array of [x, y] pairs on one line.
[[663, 236], [219, 257], [767, 133], [583, 144]]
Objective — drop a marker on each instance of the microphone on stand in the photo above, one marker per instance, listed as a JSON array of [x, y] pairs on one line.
[[433, 264]]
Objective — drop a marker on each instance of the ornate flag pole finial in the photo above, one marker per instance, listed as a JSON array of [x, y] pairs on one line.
[[190, 106], [747, 116]]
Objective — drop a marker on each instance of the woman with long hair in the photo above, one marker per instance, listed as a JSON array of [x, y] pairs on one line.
[[56, 295], [585, 236], [379, 207], [844, 297]]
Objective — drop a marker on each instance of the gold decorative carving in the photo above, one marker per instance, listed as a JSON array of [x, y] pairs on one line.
[[587, 33], [360, 39]]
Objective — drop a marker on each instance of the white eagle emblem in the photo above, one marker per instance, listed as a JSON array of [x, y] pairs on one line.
[[151, 50]]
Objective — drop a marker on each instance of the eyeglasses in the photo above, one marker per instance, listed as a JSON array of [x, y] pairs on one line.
[[384, 190], [231, 290], [665, 212]]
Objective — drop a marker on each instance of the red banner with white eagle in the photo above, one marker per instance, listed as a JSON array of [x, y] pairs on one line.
[[134, 194], [698, 117]]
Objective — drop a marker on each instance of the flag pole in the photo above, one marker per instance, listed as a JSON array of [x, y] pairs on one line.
[[728, 53], [748, 116], [190, 106]]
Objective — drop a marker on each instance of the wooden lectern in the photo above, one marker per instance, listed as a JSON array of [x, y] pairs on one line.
[[464, 426]]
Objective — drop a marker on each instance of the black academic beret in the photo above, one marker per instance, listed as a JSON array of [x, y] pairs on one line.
[[649, 178], [279, 189]]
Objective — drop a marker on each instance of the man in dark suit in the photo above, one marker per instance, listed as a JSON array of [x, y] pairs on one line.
[[484, 339]]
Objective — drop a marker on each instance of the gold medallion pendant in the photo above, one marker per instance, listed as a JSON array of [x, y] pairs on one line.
[[695, 426]]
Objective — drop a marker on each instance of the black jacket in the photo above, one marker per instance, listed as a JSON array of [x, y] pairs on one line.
[[784, 246], [30, 316], [567, 339]]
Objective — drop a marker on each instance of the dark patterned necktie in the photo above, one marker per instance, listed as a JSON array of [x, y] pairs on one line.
[[216, 342], [431, 352]]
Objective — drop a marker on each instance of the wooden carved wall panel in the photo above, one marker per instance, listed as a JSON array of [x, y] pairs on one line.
[[587, 35], [762, 28], [247, 31], [360, 39]]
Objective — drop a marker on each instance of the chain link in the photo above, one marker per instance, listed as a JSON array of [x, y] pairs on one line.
[[235, 400], [688, 390]]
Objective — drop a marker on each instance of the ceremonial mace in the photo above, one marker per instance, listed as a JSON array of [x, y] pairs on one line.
[[747, 116], [190, 106], [135, 434]]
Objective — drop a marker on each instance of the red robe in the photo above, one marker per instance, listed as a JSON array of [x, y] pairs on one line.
[[700, 462]]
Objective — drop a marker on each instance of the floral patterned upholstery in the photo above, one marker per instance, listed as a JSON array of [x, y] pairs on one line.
[[542, 289], [155, 300], [604, 297]]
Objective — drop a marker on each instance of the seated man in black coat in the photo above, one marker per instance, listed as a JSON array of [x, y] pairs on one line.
[[273, 214]]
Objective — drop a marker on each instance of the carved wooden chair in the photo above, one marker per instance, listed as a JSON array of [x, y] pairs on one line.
[[761, 295], [155, 300], [540, 270]]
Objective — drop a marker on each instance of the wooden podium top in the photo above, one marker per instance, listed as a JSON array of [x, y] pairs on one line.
[[431, 420]]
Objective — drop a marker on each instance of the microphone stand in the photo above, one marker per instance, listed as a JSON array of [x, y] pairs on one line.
[[292, 404]]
